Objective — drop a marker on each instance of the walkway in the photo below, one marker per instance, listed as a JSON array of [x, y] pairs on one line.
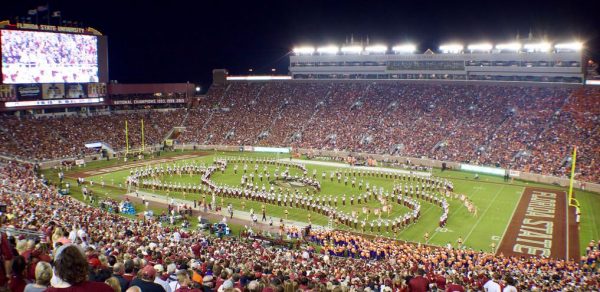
[[239, 217]]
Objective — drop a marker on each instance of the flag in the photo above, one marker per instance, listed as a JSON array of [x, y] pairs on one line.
[[42, 8], [32, 12], [56, 14]]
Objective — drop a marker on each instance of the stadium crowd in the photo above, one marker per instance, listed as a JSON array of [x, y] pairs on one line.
[[65, 137], [87, 246], [508, 126], [531, 129]]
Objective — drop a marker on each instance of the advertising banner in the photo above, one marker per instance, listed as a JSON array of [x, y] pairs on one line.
[[483, 169], [7, 93], [28, 91]]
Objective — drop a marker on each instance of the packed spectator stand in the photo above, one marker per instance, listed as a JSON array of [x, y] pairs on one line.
[[144, 251], [524, 128]]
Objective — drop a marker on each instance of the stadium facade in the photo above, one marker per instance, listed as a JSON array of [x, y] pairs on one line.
[[533, 62]]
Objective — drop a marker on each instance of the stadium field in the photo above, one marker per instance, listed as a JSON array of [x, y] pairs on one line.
[[496, 201]]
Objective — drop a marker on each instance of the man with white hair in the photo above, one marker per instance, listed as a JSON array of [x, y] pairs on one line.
[[171, 269], [158, 280], [183, 283]]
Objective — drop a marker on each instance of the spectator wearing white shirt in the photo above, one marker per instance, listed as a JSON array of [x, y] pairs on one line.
[[160, 270], [510, 284], [492, 285]]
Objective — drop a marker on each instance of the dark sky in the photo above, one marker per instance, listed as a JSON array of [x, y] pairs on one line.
[[178, 41]]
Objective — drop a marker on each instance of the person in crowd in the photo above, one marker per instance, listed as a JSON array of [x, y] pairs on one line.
[[146, 280], [43, 274], [17, 282], [158, 280], [71, 271], [114, 284], [118, 272]]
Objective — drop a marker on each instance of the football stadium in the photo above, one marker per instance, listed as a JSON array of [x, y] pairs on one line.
[[365, 166]]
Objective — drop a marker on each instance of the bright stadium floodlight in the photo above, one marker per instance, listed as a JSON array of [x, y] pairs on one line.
[[574, 46], [514, 47], [352, 49], [404, 49], [377, 49], [485, 47], [328, 50], [451, 48], [537, 47], [304, 50]]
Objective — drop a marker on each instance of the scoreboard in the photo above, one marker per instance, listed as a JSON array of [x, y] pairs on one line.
[[51, 67]]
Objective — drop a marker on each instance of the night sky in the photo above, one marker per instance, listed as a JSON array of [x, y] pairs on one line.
[[179, 41]]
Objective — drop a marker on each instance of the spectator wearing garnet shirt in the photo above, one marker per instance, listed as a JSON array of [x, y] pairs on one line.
[[146, 280], [6, 255], [419, 283], [455, 285], [17, 283]]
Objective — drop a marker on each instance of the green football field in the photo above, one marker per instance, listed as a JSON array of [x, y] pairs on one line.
[[494, 199]]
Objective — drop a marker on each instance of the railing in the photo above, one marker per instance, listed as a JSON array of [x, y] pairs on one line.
[[30, 234]]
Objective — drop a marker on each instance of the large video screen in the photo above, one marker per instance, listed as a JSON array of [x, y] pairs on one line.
[[46, 57]]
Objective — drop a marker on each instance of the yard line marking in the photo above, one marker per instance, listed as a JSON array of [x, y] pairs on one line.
[[510, 218], [482, 215]]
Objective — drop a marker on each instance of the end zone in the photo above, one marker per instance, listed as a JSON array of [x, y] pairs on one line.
[[540, 226]]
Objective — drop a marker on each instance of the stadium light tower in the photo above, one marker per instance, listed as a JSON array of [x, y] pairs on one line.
[[404, 49], [542, 47], [348, 50], [571, 47], [304, 50], [512, 47], [328, 50], [376, 49], [483, 47], [451, 48]]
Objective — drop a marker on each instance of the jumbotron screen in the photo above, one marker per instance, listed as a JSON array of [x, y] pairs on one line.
[[47, 57]]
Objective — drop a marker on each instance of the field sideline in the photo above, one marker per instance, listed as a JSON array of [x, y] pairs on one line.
[[496, 201]]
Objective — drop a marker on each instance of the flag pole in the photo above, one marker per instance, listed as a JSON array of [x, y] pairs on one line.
[[573, 160], [126, 139], [143, 143]]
